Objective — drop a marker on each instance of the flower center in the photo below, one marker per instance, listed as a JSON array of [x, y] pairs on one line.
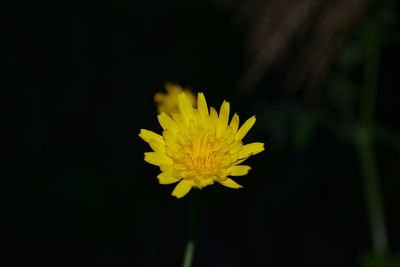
[[201, 156]]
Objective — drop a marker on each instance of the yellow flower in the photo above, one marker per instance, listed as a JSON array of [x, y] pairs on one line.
[[168, 102], [198, 147]]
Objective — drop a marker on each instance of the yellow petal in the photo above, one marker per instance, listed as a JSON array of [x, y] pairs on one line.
[[202, 105], [167, 123], [223, 118], [213, 115], [236, 147], [172, 88], [156, 158], [182, 188], [204, 182], [240, 170], [169, 136], [185, 107], [157, 146], [167, 168], [245, 128], [176, 116], [234, 122], [251, 149], [165, 178], [147, 135], [230, 183]]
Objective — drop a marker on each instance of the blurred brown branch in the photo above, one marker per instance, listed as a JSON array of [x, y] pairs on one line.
[[304, 35]]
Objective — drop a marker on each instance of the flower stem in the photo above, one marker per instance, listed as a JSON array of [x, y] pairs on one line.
[[365, 148], [187, 259], [373, 196], [192, 226]]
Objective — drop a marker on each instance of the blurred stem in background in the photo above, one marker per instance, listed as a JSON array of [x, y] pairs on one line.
[[192, 228], [365, 148]]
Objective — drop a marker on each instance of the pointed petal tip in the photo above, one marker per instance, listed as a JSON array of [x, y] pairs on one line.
[[251, 149], [261, 144], [262, 148], [182, 188], [162, 114], [240, 170], [178, 196], [245, 128], [140, 134], [147, 135], [185, 107], [230, 183], [142, 131], [157, 158], [165, 178], [202, 105]]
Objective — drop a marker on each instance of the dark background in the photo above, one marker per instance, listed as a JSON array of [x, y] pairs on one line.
[[79, 79]]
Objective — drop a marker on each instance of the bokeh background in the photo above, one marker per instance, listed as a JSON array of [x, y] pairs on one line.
[[79, 81]]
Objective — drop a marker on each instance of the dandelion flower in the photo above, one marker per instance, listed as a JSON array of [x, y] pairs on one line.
[[199, 147], [168, 102]]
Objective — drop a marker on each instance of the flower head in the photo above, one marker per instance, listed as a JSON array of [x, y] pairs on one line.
[[199, 147], [168, 102]]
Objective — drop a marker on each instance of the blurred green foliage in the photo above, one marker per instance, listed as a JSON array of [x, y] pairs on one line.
[[373, 260]]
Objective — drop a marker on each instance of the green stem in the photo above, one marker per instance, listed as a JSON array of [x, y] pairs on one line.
[[187, 259], [365, 149], [192, 226], [373, 195]]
